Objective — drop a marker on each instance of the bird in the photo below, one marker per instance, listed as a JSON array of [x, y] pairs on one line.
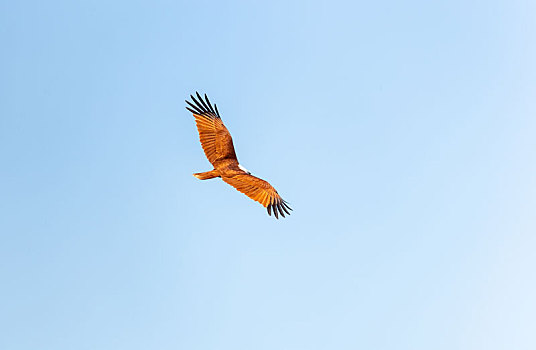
[[218, 146]]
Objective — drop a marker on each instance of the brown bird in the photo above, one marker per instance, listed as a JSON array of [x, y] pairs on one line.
[[218, 146]]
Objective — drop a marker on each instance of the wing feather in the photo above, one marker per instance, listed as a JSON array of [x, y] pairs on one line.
[[215, 139], [260, 191]]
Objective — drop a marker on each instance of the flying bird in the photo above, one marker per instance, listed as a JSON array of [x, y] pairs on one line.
[[218, 147]]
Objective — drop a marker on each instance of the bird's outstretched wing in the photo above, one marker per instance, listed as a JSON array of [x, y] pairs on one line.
[[260, 191], [214, 136]]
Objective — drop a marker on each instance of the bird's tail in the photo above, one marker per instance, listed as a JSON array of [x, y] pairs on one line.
[[207, 175]]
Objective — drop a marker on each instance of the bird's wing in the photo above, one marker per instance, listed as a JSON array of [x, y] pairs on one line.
[[260, 191], [214, 136]]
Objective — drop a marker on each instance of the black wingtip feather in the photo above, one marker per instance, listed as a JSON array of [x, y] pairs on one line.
[[191, 110], [198, 111], [209, 105], [197, 105], [201, 107], [281, 210], [286, 205], [202, 102]]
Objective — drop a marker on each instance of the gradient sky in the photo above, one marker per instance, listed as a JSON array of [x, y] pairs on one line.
[[403, 133]]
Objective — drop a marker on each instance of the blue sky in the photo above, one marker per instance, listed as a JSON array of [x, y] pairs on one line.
[[402, 134]]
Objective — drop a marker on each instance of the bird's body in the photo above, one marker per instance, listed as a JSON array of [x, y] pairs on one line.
[[218, 146]]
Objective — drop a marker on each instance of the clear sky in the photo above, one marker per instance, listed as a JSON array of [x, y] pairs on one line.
[[403, 133]]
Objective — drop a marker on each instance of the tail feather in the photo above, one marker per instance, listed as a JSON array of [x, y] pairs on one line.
[[207, 175]]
